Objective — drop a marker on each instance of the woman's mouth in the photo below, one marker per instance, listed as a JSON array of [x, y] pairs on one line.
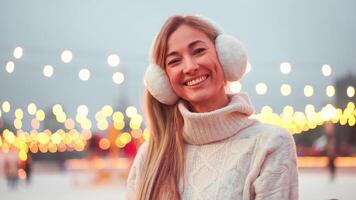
[[196, 81]]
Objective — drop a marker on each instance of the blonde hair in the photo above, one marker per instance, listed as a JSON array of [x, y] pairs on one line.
[[164, 162]]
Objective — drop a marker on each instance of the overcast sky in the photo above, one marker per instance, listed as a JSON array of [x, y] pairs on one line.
[[305, 33]]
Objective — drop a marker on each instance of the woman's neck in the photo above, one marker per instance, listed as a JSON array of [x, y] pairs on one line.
[[209, 105]]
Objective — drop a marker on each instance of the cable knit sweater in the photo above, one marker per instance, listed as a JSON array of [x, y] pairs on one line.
[[229, 156]]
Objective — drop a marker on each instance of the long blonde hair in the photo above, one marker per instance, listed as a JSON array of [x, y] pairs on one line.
[[164, 162]]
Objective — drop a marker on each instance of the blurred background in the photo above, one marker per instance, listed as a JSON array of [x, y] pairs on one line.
[[71, 89]]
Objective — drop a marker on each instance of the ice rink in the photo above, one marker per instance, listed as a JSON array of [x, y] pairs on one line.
[[315, 184]]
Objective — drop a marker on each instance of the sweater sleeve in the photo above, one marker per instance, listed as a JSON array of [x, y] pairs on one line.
[[134, 174], [278, 177]]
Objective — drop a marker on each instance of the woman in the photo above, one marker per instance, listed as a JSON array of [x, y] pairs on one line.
[[202, 144]]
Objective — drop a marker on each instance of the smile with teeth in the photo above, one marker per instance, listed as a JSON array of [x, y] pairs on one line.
[[196, 81]]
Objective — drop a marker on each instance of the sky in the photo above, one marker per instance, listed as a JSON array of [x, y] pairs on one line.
[[307, 34]]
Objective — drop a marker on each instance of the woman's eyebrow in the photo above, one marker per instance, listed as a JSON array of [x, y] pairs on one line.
[[173, 53], [194, 43]]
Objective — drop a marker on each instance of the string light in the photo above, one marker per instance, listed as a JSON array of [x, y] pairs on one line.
[[113, 60], [285, 67]]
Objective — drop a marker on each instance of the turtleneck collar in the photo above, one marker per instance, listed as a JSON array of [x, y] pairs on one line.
[[208, 127]]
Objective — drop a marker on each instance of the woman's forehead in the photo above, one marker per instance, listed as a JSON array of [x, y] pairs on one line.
[[186, 36]]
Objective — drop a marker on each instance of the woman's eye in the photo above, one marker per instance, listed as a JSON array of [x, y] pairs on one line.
[[199, 50], [174, 61]]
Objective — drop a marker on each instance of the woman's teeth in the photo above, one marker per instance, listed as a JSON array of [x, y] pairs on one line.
[[196, 81]]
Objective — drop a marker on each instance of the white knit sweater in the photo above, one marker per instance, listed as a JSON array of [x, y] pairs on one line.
[[229, 156]]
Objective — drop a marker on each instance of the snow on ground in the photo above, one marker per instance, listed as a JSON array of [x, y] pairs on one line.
[[315, 184]]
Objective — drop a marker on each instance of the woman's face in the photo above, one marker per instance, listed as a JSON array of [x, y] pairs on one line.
[[193, 66]]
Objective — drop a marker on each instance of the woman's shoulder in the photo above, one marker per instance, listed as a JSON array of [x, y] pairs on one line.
[[267, 133]]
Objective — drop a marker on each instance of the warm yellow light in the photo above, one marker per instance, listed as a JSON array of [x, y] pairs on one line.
[[288, 110], [22, 155], [43, 148], [308, 91], [19, 113], [87, 134], [352, 121], [118, 116], [86, 124], [119, 125], [350, 91], [40, 115], [69, 123], [107, 110], [266, 110], [52, 147], [9, 136], [43, 138], [35, 123], [285, 67], [286, 89], [330, 91], [146, 134], [84, 74], [6, 106], [104, 144], [328, 112], [82, 110], [66, 56], [56, 109], [248, 67], [17, 123], [99, 116], [113, 60], [31, 108], [10, 67], [125, 137], [61, 118], [131, 111], [309, 109], [33, 148], [48, 71], [326, 69], [56, 138], [235, 86], [261, 88], [118, 142], [102, 125], [18, 51], [137, 133], [118, 77]]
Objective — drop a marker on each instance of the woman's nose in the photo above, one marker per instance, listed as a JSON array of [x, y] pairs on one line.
[[190, 65]]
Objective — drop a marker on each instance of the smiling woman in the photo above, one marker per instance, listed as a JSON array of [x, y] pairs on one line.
[[202, 143]]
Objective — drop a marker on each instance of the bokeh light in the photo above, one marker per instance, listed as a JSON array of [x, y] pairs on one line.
[[6, 106], [285, 67], [131, 111], [66, 56], [248, 67], [31, 108], [330, 91], [10, 67], [84, 74], [286, 89], [261, 88], [48, 71], [83, 110], [18, 52], [326, 70], [308, 91], [113, 60], [350, 91], [235, 87], [118, 77]]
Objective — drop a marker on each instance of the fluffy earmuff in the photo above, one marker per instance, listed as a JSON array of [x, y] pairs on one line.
[[232, 56]]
